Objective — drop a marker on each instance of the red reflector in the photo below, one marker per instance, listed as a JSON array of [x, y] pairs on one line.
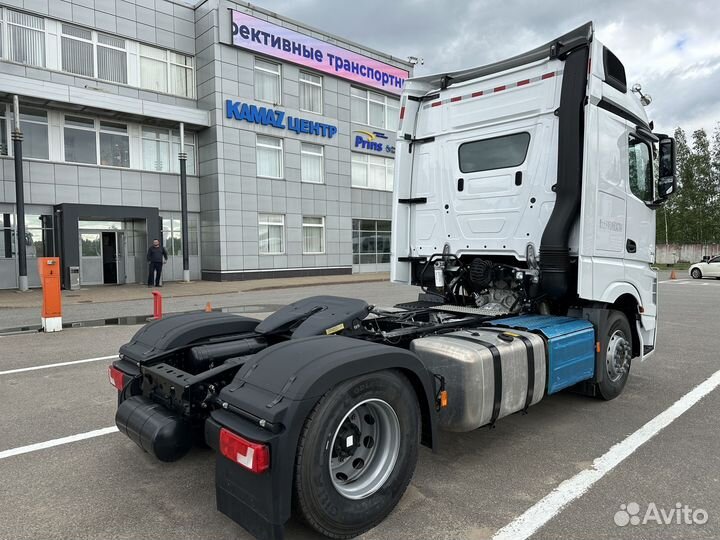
[[255, 457], [436, 104], [456, 98], [522, 83], [117, 377], [477, 94], [499, 88], [548, 75], [402, 112]]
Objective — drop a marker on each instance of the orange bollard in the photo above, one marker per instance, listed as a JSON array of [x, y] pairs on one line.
[[49, 270], [157, 305], [208, 308], [673, 275]]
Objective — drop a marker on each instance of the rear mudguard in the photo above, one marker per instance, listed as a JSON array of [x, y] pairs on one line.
[[281, 385], [175, 331]]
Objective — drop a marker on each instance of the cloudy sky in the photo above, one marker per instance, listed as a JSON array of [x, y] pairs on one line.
[[671, 47]]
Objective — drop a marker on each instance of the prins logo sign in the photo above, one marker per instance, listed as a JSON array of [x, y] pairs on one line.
[[261, 36]]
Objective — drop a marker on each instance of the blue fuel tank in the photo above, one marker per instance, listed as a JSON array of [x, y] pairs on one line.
[[570, 346]]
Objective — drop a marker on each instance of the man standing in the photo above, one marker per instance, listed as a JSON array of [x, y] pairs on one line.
[[156, 256]]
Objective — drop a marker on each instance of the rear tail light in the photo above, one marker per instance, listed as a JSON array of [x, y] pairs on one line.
[[117, 377], [255, 457], [402, 112]]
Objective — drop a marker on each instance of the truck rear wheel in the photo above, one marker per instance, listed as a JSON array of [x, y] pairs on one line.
[[616, 347], [357, 454]]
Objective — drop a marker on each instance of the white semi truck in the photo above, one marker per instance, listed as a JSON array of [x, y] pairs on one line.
[[524, 206]]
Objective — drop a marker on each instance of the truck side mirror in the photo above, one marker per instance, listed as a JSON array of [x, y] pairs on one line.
[[667, 182]]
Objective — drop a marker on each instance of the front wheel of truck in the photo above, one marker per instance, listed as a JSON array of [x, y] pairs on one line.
[[357, 454], [616, 348]]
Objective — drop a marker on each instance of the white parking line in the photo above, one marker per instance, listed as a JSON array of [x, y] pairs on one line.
[[58, 364], [554, 502], [56, 442]]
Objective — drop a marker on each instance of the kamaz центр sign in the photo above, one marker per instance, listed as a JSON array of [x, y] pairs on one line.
[[273, 40], [271, 117]]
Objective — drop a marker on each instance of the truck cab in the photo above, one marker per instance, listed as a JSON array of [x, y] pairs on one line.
[[543, 164]]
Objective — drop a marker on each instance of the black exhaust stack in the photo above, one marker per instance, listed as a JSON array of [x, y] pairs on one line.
[[555, 275]]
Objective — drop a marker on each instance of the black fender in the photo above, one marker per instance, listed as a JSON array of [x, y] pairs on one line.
[[174, 331], [281, 385]]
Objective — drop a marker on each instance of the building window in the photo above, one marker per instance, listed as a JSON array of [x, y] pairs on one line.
[[26, 38], [7, 236], [311, 163], [313, 235], [166, 71], [3, 129], [189, 150], [80, 140], [373, 109], [114, 144], [83, 137], [111, 59], [271, 234], [371, 241], [153, 68], [310, 92], [34, 126], [161, 147], [269, 157], [267, 81], [39, 236], [172, 235], [156, 149], [372, 172], [77, 51], [181, 74]]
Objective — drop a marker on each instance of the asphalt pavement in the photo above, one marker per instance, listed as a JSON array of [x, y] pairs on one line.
[[475, 485]]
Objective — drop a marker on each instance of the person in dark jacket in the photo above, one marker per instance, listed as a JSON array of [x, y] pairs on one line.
[[156, 256]]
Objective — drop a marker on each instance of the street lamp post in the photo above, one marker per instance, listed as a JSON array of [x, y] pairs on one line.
[[17, 138], [182, 156]]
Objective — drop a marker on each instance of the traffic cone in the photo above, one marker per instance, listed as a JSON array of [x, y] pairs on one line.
[[673, 275], [208, 308]]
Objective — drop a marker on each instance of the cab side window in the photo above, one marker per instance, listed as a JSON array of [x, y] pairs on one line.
[[640, 175]]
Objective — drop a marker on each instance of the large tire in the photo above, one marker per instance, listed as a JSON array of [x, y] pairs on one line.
[[616, 348], [696, 273], [338, 433]]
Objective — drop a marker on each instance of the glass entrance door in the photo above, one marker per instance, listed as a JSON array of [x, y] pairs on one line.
[[91, 258]]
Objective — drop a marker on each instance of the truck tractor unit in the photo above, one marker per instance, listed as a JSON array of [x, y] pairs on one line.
[[524, 203]]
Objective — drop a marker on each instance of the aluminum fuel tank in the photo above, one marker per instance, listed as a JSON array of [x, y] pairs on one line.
[[489, 373]]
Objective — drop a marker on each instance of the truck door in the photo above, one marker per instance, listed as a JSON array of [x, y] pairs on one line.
[[491, 188], [429, 189], [639, 249]]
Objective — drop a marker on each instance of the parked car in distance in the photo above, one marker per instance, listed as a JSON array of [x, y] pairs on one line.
[[706, 268]]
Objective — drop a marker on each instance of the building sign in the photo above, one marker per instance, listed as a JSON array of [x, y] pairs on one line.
[[277, 119], [375, 141], [264, 37]]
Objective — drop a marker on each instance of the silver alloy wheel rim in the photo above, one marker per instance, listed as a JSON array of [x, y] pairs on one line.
[[696, 273], [364, 449], [617, 358]]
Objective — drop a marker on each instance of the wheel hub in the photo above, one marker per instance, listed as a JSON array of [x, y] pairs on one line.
[[618, 355], [365, 448]]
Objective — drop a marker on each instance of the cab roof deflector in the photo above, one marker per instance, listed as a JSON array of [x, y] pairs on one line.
[[557, 48]]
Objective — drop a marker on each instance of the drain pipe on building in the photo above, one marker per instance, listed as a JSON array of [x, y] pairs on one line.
[[182, 156], [17, 138]]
